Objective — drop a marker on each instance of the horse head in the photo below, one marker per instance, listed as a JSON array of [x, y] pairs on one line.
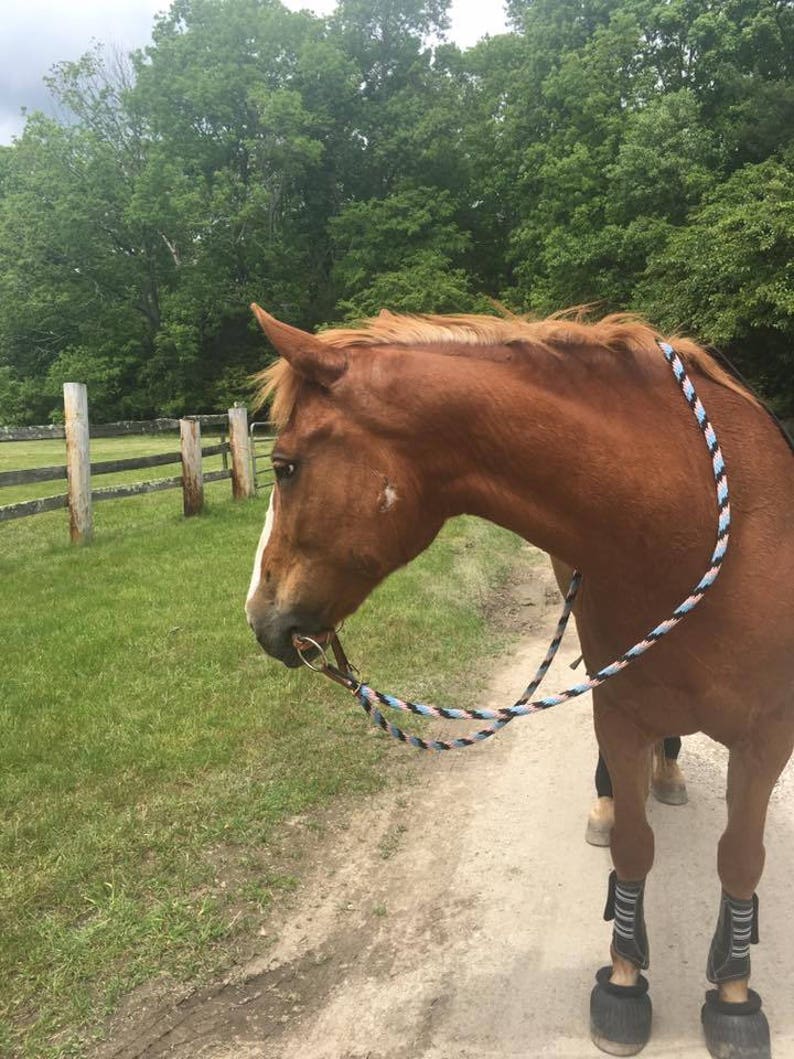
[[347, 507]]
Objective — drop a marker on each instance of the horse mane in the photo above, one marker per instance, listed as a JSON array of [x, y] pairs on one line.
[[621, 333]]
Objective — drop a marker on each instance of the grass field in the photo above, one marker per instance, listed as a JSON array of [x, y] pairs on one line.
[[144, 739]]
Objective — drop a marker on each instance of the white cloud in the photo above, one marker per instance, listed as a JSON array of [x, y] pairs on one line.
[[37, 34], [470, 19]]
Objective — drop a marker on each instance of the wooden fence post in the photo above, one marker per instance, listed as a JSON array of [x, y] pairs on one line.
[[192, 474], [78, 461], [240, 445]]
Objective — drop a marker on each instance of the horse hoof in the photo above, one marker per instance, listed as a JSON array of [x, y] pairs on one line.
[[600, 823], [735, 1031], [597, 836], [669, 793], [667, 783], [620, 1015]]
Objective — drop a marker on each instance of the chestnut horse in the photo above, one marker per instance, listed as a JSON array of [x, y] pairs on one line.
[[576, 437]]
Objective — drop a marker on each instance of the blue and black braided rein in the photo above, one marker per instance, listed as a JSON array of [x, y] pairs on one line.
[[371, 700]]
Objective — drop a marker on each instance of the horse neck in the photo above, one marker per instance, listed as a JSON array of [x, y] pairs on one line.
[[564, 449]]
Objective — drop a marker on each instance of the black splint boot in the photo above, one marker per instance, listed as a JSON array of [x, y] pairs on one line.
[[734, 1031], [620, 1015]]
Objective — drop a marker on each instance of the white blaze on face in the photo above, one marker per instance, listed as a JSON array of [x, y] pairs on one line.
[[256, 575]]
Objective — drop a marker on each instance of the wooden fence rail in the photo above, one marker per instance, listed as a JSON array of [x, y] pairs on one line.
[[134, 463], [79, 470], [40, 433], [32, 474], [33, 507]]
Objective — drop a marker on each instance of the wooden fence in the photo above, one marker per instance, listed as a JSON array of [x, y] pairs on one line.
[[78, 469]]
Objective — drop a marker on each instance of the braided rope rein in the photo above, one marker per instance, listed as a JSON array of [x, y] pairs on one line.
[[370, 699]]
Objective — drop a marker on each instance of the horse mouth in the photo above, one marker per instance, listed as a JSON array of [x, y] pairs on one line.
[[310, 648], [293, 637]]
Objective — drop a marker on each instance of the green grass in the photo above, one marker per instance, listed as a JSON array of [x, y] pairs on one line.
[[149, 752]]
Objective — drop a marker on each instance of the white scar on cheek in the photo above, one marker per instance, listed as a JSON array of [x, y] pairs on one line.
[[389, 498], [256, 575]]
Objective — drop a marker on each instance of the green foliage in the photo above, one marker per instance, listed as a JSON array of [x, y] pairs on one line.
[[13, 403], [424, 284], [622, 152], [729, 274], [398, 253], [106, 374]]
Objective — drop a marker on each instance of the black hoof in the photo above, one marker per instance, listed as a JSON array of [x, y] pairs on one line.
[[620, 1015], [735, 1031]]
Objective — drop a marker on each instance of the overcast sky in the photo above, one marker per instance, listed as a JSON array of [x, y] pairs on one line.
[[35, 34]]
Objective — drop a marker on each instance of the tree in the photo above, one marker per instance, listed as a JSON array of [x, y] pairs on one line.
[[728, 276], [67, 257], [624, 152]]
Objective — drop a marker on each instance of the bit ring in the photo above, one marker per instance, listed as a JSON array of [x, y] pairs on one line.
[[301, 643]]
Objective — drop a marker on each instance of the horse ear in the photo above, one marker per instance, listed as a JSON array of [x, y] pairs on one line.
[[311, 358]]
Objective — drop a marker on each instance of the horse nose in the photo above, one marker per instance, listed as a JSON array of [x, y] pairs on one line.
[[274, 636], [274, 628], [261, 618], [253, 615]]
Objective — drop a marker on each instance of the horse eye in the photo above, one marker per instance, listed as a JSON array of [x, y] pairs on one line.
[[283, 469]]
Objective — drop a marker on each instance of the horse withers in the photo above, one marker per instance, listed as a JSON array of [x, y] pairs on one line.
[[575, 437]]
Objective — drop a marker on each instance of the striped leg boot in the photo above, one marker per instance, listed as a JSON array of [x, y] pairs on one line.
[[620, 1015], [737, 1030]]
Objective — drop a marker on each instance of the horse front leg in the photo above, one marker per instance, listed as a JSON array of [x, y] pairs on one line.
[[733, 1022], [620, 1008]]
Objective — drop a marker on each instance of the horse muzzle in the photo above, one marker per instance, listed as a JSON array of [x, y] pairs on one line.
[[276, 632]]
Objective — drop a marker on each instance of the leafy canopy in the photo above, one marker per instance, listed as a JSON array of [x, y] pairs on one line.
[[631, 153]]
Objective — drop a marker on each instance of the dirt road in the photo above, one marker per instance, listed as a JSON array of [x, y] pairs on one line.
[[476, 931]]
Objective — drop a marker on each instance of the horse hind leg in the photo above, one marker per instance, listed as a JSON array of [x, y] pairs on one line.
[[601, 818], [667, 780], [667, 785], [733, 1022]]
